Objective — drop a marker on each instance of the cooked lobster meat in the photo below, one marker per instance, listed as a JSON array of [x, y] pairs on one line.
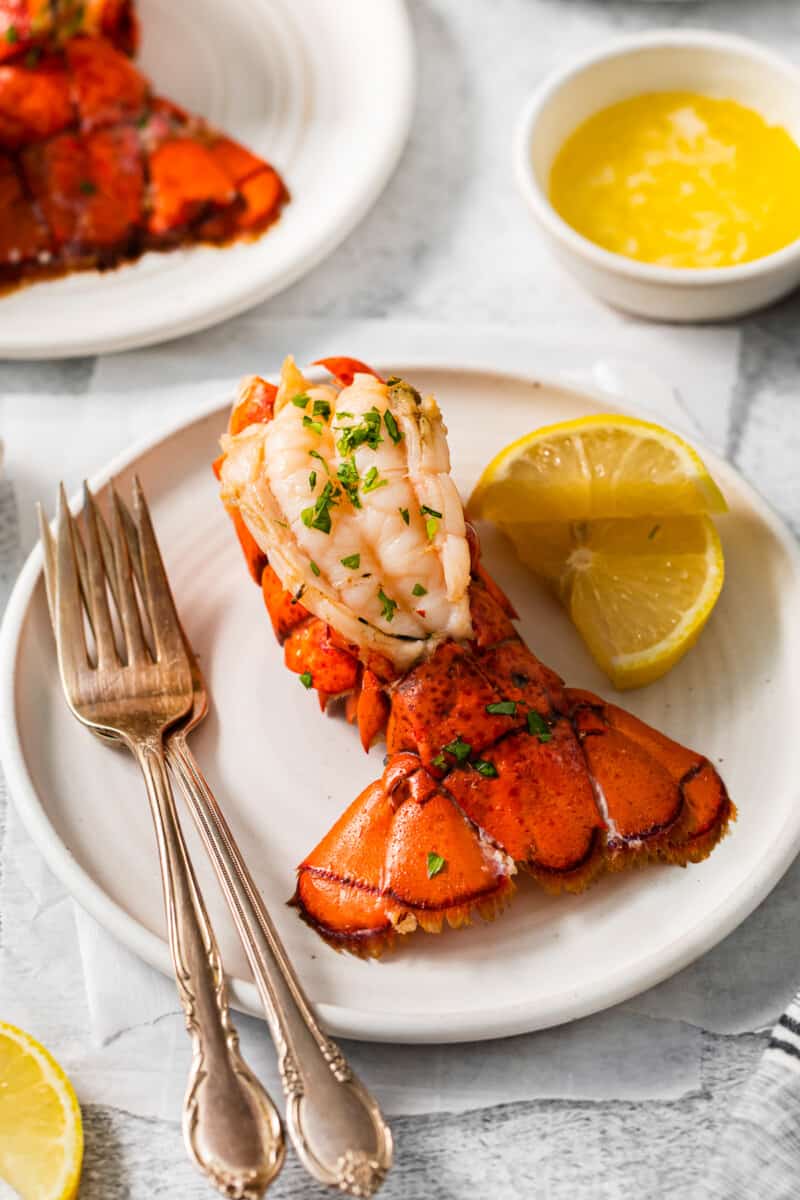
[[96, 169], [29, 25], [344, 507]]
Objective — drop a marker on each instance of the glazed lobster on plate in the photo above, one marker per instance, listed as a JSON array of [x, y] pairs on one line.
[[342, 500], [94, 167], [33, 25]]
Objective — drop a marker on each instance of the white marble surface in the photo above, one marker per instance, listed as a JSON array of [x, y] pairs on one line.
[[622, 1104]]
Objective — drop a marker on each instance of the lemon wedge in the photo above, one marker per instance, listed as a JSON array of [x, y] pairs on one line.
[[41, 1135], [612, 513], [602, 466]]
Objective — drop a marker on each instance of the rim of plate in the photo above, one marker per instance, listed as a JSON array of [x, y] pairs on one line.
[[620, 47], [202, 312], [345, 1021]]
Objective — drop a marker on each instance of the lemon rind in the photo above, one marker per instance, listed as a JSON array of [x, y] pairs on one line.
[[54, 1074], [496, 471]]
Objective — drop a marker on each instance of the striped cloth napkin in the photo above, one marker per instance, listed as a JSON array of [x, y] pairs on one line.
[[759, 1153]]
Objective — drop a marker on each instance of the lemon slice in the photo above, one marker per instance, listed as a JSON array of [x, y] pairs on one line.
[[41, 1136], [612, 513], [602, 466], [638, 591]]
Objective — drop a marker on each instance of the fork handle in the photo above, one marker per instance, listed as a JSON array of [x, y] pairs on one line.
[[230, 1125], [335, 1124]]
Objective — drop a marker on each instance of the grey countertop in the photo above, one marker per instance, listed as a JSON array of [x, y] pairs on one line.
[[450, 241]]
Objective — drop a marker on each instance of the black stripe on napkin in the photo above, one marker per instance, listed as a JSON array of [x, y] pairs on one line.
[[789, 1023], [777, 1044]]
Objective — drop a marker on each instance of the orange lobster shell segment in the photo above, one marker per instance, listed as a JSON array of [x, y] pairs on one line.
[[540, 806], [371, 877], [34, 105], [344, 370], [255, 404], [106, 87], [309, 649], [442, 701], [285, 612], [490, 621], [372, 708], [707, 804]]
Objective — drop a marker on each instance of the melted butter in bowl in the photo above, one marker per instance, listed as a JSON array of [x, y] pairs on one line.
[[680, 179], [663, 170]]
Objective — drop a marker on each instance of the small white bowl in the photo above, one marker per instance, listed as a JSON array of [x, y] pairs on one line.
[[714, 64]]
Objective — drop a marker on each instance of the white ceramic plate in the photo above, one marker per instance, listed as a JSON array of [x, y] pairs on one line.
[[284, 772], [304, 84]]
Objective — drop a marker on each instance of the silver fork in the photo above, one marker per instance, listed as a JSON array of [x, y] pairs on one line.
[[335, 1124], [231, 1126]]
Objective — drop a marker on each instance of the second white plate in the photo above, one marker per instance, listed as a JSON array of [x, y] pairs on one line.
[[304, 85], [283, 772]]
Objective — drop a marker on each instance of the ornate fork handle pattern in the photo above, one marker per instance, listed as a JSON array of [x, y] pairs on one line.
[[226, 1112], [335, 1124]]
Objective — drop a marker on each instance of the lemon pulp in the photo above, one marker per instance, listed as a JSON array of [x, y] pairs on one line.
[[681, 180], [638, 590], [41, 1136], [612, 512]]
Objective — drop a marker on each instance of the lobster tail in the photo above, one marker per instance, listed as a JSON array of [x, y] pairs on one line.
[[492, 762]]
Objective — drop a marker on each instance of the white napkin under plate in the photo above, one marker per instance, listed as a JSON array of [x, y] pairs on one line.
[[114, 1020]]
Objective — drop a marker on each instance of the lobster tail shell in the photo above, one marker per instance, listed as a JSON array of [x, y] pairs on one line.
[[94, 168], [370, 877]]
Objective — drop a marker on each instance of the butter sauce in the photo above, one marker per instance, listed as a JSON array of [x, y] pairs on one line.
[[681, 180]]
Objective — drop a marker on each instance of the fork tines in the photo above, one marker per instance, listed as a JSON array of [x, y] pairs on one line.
[[98, 572]]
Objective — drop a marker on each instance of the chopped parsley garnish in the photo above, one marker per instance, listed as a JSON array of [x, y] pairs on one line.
[[306, 679], [502, 708], [32, 57], [430, 512], [312, 480], [318, 515], [11, 35], [87, 187], [460, 750], [372, 482], [367, 432], [404, 514], [314, 425], [439, 761], [387, 605], [347, 416], [653, 532], [73, 25], [300, 400], [391, 427], [352, 562], [431, 528], [419, 590], [316, 454], [538, 727], [435, 864], [321, 409], [314, 567], [485, 768], [348, 477]]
